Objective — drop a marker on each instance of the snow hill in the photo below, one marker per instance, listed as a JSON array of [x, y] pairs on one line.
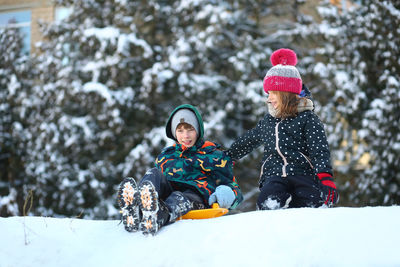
[[297, 237]]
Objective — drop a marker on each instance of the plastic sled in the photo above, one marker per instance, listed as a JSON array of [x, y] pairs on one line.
[[214, 212]]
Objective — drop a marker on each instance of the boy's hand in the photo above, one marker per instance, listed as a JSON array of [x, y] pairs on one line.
[[329, 188], [223, 195]]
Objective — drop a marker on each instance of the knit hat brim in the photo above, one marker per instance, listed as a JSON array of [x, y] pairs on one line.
[[184, 116], [284, 84]]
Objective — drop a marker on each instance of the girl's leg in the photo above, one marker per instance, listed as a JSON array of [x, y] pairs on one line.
[[306, 192], [274, 194]]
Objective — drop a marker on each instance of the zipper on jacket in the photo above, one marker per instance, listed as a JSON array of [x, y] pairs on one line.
[[262, 168], [308, 160], [285, 163]]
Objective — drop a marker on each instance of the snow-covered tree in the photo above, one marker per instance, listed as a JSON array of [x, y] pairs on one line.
[[356, 73], [108, 76], [14, 88], [368, 74], [83, 111]]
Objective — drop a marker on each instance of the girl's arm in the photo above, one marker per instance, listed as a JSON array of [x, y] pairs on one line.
[[246, 143]]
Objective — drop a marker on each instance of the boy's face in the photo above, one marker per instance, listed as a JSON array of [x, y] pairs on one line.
[[186, 134]]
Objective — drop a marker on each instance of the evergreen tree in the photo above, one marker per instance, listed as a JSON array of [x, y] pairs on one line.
[[84, 112], [14, 90], [356, 74], [370, 101], [108, 77]]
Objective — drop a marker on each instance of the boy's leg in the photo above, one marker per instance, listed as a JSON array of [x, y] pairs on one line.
[[149, 206], [153, 188], [195, 198], [157, 213], [161, 205], [179, 203], [306, 192], [160, 182], [274, 194], [129, 204]]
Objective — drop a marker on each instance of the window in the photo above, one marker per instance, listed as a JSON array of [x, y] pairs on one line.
[[62, 13], [22, 21]]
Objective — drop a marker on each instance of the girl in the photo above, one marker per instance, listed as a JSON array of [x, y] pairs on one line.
[[296, 169]]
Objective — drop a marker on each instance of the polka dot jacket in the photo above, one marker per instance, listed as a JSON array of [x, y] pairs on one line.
[[294, 146]]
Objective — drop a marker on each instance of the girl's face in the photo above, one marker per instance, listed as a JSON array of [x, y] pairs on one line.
[[273, 98], [186, 135]]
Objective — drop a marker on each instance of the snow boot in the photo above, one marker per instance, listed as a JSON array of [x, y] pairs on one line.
[[155, 212], [128, 201], [178, 205], [149, 207]]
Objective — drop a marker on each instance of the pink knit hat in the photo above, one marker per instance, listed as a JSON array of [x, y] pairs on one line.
[[283, 76]]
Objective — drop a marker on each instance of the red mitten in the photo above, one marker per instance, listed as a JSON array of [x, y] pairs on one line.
[[329, 188]]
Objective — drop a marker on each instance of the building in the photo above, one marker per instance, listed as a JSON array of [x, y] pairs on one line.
[[24, 14]]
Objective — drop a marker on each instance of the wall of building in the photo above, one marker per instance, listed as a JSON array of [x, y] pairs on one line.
[[44, 10], [40, 10]]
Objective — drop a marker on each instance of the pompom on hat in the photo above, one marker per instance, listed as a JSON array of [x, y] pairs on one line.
[[283, 76]]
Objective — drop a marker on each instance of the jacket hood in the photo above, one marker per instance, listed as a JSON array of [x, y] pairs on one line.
[[198, 116]]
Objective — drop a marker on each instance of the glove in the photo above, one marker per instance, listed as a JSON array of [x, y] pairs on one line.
[[329, 188], [223, 195]]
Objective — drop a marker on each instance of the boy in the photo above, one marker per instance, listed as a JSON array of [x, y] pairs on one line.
[[191, 174]]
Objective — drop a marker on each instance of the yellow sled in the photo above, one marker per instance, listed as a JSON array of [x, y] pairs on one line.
[[214, 212]]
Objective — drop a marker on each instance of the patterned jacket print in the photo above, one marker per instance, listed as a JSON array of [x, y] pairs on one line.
[[294, 146], [201, 167]]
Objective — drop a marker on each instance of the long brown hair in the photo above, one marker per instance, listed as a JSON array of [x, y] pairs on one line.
[[288, 104]]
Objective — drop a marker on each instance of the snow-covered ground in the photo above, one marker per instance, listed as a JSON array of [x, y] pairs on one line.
[[297, 237]]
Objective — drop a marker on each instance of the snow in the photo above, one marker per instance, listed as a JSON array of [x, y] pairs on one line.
[[294, 237], [125, 39], [13, 85], [100, 89], [103, 33]]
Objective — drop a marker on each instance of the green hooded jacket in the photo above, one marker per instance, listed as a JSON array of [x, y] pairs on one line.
[[201, 167]]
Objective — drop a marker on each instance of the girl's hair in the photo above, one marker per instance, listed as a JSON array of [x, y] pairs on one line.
[[288, 104]]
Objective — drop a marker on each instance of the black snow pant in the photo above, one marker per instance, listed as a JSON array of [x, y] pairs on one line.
[[177, 202], [290, 192]]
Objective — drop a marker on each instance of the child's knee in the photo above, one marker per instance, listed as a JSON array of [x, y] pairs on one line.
[[152, 175], [273, 195], [312, 200], [272, 201]]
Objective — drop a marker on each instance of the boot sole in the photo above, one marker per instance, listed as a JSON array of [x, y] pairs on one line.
[[128, 203], [149, 207]]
